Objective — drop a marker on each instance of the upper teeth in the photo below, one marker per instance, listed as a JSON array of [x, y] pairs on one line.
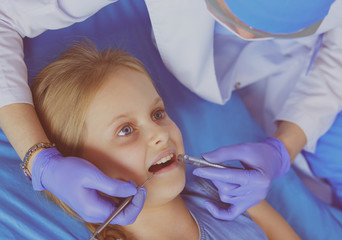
[[165, 159]]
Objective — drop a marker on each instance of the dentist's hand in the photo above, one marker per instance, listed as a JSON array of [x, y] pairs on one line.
[[76, 182], [243, 189]]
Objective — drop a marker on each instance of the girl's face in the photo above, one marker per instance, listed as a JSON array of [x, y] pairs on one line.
[[129, 136]]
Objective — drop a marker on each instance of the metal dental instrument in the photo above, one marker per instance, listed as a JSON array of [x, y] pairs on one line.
[[117, 211], [199, 162]]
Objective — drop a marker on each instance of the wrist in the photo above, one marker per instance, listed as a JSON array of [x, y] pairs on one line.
[[292, 136], [28, 157], [33, 157], [39, 166], [285, 162]]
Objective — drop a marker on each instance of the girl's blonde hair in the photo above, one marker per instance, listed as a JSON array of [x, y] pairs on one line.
[[62, 93]]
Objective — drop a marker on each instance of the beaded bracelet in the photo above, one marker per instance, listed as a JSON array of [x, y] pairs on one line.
[[28, 155]]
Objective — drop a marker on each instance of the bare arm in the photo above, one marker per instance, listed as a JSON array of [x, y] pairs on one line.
[[292, 136], [20, 123], [18, 118], [274, 225]]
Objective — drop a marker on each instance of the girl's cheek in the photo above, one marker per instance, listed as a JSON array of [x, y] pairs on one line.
[[126, 141], [176, 133], [130, 152]]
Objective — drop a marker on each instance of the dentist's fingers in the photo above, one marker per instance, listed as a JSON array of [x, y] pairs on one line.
[[132, 210], [95, 208], [233, 176], [110, 186], [225, 189], [227, 153], [77, 183], [229, 213], [265, 161]]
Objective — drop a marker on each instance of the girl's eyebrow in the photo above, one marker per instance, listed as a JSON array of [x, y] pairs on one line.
[[116, 118], [156, 101]]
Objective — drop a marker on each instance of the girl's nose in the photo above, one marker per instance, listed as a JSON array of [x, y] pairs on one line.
[[158, 135]]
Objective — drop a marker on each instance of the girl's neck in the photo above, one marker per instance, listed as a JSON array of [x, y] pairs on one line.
[[169, 221]]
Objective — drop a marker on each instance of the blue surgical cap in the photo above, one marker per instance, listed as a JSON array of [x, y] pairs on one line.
[[279, 16]]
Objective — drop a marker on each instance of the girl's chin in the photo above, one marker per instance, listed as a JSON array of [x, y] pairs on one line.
[[161, 198], [165, 188]]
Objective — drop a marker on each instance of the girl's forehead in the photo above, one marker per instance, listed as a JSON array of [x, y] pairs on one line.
[[122, 90], [127, 82]]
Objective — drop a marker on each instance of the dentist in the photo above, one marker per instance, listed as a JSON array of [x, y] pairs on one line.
[[300, 72], [288, 56]]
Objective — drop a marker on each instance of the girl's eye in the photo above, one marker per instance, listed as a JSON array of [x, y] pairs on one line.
[[158, 115], [126, 130]]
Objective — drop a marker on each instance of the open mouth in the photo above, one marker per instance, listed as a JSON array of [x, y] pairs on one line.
[[163, 163]]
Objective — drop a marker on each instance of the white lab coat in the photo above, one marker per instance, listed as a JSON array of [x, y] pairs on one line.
[[186, 39], [315, 99]]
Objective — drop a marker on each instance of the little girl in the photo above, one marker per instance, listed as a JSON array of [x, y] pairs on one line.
[[104, 107]]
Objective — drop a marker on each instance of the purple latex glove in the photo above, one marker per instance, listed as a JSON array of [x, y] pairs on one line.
[[76, 181], [243, 189]]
